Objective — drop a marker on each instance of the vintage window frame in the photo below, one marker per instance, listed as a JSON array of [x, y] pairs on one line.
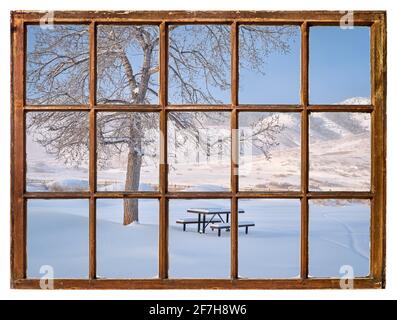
[[376, 20]]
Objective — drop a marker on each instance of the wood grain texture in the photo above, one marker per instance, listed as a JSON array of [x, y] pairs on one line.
[[304, 248], [234, 159], [18, 169], [246, 284], [156, 17], [378, 176], [92, 153], [163, 219]]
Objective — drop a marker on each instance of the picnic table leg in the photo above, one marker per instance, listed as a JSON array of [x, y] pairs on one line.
[[203, 223], [246, 229], [227, 220], [199, 222]]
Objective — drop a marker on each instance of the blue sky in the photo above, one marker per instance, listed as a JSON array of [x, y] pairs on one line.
[[280, 83], [339, 66]]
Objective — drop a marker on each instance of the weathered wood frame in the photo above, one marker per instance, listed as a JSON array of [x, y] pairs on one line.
[[376, 20]]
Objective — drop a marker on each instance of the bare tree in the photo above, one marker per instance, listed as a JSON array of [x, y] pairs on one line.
[[127, 70]]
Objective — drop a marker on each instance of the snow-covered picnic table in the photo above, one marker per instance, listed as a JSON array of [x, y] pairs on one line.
[[215, 215]]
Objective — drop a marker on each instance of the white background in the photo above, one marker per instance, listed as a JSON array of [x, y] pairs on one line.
[[6, 6]]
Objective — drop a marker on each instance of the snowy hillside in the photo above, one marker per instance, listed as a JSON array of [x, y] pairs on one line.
[[339, 234], [339, 147]]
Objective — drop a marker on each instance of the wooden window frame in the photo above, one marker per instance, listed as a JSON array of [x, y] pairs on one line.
[[376, 20]]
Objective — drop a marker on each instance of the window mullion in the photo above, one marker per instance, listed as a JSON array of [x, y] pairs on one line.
[[234, 152], [92, 154], [304, 149], [163, 223]]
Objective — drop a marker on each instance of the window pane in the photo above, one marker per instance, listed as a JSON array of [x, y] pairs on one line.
[[339, 236], [340, 151], [269, 59], [271, 249], [127, 64], [339, 65], [57, 238], [127, 250], [199, 151], [194, 254], [57, 151], [269, 151], [57, 64], [199, 64], [128, 151]]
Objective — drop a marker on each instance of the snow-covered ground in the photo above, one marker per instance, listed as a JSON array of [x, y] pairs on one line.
[[58, 236], [339, 235], [339, 146]]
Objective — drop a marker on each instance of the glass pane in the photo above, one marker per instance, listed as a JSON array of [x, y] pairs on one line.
[[271, 248], [339, 238], [199, 64], [199, 151], [127, 64], [57, 64], [57, 238], [339, 65], [340, 151], [194, 254], [269, 151], [269, 59], [57, 151], [124, 249], [128, 151]]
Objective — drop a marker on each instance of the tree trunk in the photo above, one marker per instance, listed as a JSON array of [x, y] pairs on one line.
[[134, 156], [132, 184]]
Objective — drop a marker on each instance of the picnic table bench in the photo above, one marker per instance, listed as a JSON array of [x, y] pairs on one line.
[[241, 224], [186, 221]]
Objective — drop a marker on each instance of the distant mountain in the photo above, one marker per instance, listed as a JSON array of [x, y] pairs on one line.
[[339, 152], [335, 125], [324, 126], [356, 100]]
